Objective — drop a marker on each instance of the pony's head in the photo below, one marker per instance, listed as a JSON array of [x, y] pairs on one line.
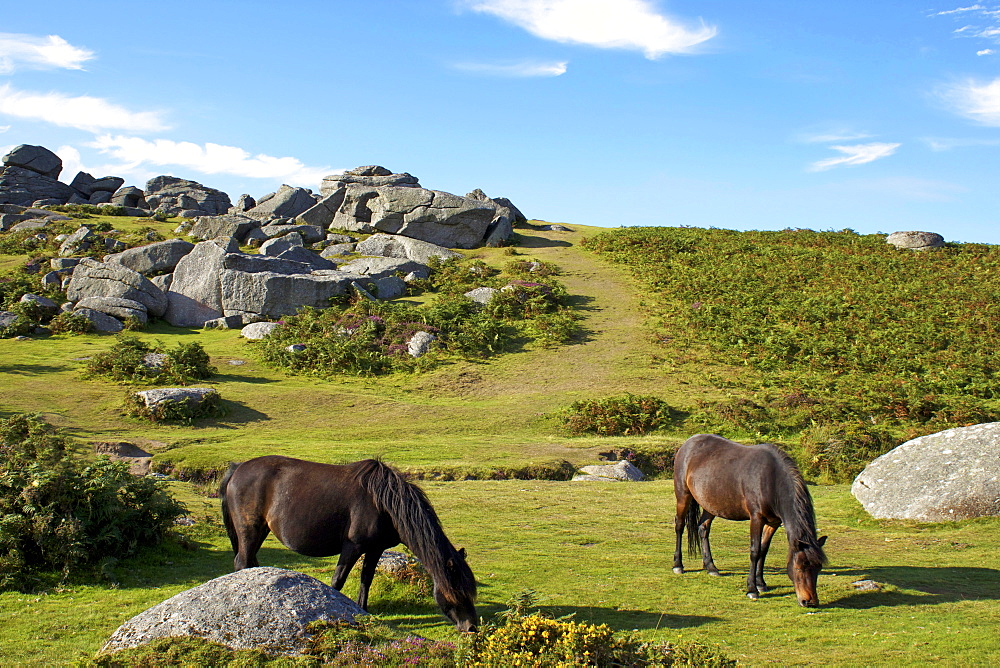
[[457, 595], [805, 560]]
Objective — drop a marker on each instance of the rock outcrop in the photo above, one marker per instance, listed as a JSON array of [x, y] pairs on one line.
[[153, 258], [99, 279], [287, 202], [181, 197], [373, 199], [950, 475], [255, 608]]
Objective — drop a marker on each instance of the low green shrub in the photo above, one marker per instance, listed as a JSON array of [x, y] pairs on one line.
[[59, 512], [623, 415], [210, 406], [70, 323], [838, 453], [129, 361]]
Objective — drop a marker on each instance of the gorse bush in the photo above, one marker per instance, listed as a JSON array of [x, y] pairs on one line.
[[60, 513], [624, 415], [131, 360], [520, 637]]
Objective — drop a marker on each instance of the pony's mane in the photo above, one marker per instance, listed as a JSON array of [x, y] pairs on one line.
[[418, 526], [797, 512]]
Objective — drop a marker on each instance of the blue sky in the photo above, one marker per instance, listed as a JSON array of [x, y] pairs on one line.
[[874, 116]]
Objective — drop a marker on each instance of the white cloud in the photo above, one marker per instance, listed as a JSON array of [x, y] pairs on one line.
[[93, 114], [4, 128], [961, 10], [517, 70], [836, 135], [939, 144], [858, 154], [608, 24], [985, 52], [135, 153], [40, 53], [975, 100]]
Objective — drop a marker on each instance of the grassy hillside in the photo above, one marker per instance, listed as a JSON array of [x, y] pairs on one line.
[[752, 335]]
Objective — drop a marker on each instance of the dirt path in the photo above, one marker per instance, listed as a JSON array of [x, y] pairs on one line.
[[614, 355]]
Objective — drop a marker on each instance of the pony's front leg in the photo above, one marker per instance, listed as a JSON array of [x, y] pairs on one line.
[[765, 544], [367, 575], [756, 561], [704, 528], [349, 555]]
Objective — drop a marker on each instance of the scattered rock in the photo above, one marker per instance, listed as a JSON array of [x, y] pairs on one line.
[[915, 240], [481, 295], [867, 585], [188, 395], [619, 471], [258, 330], [420, 343]]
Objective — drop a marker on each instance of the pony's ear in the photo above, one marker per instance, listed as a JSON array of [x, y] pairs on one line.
[[822, 541], [461, 552]]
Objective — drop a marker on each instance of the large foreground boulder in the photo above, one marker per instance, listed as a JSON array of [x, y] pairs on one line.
[[950, 475], [256, 608]]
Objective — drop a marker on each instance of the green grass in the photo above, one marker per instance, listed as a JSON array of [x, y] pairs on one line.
[[600, 551], [603, 551]]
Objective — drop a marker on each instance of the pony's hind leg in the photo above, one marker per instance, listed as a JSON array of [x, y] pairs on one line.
[[247, 544], [704, 529]]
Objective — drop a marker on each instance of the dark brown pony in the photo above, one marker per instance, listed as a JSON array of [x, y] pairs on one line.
[[357, 509], [760, 483]]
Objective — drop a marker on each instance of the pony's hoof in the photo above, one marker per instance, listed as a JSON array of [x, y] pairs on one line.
[[716, 574], [678, 570], [763, 588], [753, 596]]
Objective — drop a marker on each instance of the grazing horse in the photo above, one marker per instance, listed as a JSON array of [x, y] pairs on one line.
[[352, 510], [760, 483]]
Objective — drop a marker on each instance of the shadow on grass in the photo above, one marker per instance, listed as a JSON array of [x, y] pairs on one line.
[[238, 413], [938, 585], [529, 241], [239, 378], [30, 369]]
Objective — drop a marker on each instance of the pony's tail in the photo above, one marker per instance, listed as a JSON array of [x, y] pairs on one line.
[[226, 518], [691, 524]]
